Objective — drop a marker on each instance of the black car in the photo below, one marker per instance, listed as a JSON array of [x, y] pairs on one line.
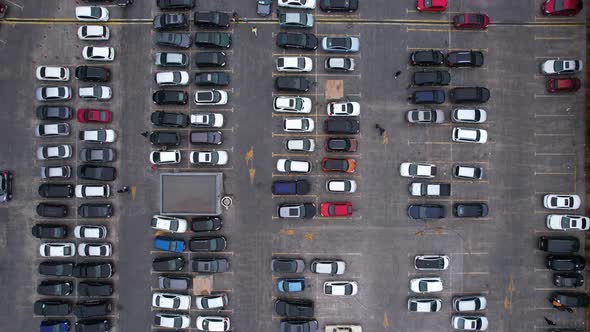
[[292, 83], [97, 155], [95, 210], [170, 22], [54, 113], [49, 231], [210, 59], [571, 299], [173, 39], [341, 126], [212, 19], [470, 95], [169, 119], [166, 138], [168, 264], [170, 97], [341, 144], [291, 187], [300, 40], [49, 210], [428, 97], [217, 243], [55, 288], [568, 279], [94, 308], [435, 77], [565, 263], [56, 269], [52, 308], [299, 325], [427, 58], [213, 39], [93, 74], [175, 4], [559, 244], [93, 270], [174, 282], [212, 79], [465, 59], [339, 5], [214, 265], [287, 265], [470, 210], [95, 288], [206, 137], [206, 224], [99, 173], [93, 325], [294, 308], [426, 211], [55, 190]]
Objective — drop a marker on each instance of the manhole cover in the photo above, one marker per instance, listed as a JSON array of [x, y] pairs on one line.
[[226, 202]]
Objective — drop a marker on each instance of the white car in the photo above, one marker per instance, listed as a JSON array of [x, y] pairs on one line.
[[343, 328], [424, 305], [303, 4], [215, 301], [340, 288], [563, 202], [426, 285], [291, 104], [171, 301], [293, 166], [90, 232], [469, 115], [92, 13], [431, 262], [94, 53], [172, 321], [206, 120], [98, 136], [213, 323], [417, 170], [469, 323], [97, 92], [339, 64], [469, 303], [94, 249], [53, 73], [57, 249], [294, 64], [301, 145], [470, 135], [56, 172], [165, 157], [341, 186], [565, 222], [209, 157], [51, 93], [211, 97], [172, 78], [348, 108], [331, 267], [561, 67], [48, 152], [467, 172], [94, 32], [298, 125], [93, 190], [169, 224], [52, 130]]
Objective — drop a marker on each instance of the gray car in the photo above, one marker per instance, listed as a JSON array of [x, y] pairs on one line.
[[174, 282], [173, 39], [263, 7], [341, 44], [214, 265], [171, 59], [51, 93], [296, 20], [425, 116], [97, 155], [299, 325]]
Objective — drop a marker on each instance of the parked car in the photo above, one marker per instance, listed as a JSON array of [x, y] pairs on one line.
[[169, 119], [295, 20], [175, 21], [468, 115], [95, 53], [5, 186], [213, 158], [570, 299], [294, 64], [54, 113], [206, 224], [173, 39], [97, 136], [429, 189], [168, 244], [426, 285], [49, 231], [339, 64], [465, 59], [172, 78], [53, 93], [341, 144], [425, 116], [213, 39], [424, 305], [210, 265], [338, 165], [212, 19], [95, 92], [292, 104], [298, 125], [293, 166], [206, 120], [296, 211], [290, 285], [294, 308], [291, 187], [469, 323], [340, 6], [56, 190], [434, 77], [171, 301], [50, 210], [427, 97], [167, 157], [170, 97], [97, 155], [175, 4], [172, 321], [165, 138], [417, 170], [347, 108], [567, 222], [565, 263], [90, 232], [431, 5], [168, 264], [99, 173], [87, 115], [206, 137], [173, 282], [467, 172], [210, 59], [341, 44], [563, 202], [211, 79], [300, 145], [263, 7], [568, 279], [471, 21], [567, 84], [94, 32], [213, 301], [292, 83], [341, 186], [344, 126], [470, 210], [431, 262], [214, 243], [561, 8], [213, 323], [211, 97], [301, 4], [56, 172], [340, 288], [52, 308], [287, 265], [559, 244], [53, 325], [57, 249], [299, 325], [427, 58], [171, 59], [52, 129], [325, 266], [469, 95], [426, 211], [93, 190], [56, 268], [169, 224], [469, 135], [93, 74], [92, 13], [94, 249], [469, 303], [561, 67], [52, 73], [297, 40], [93, 308]]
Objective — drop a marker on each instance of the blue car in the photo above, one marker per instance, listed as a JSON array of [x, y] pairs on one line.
[[291, 285], [168, 244], [54, 326]]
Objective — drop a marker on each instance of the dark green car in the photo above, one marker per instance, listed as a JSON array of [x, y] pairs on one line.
[[296, 20], [212, 79], [213, 39]]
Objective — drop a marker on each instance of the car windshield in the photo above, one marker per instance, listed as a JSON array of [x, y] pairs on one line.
[[413, 169], [348, 289], [558, 5], [95, 12], [476, 19], [339, 42], [2, 185], [204, 96], [558, 66], [101, 135], [427, 3], [461, 323]]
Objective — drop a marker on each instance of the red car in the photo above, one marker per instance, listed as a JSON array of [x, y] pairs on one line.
[[338, 165], [91, 115], [567, 84], [431, 5], [471, 21], [561, 7], [336, 209]]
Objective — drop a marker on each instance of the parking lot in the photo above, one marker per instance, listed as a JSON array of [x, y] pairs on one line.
[[535, 146]]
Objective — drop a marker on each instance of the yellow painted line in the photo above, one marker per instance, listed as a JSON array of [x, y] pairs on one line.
[[385, 138], [385, 320], [308, 236], [252, 174], [249, 155], [133, 192], [289, 232]]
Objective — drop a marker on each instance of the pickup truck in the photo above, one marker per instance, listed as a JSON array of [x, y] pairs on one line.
[[430, 189]]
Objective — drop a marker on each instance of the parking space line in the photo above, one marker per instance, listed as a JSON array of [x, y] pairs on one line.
[[314, 175], [300, 135], [472, 273], [553, 38], [444, 49], [316, 75], [553, 96], [305, 94], [557, 289], [556, 135], [555, 153], [471, 253], [554, 173], [316, 254], [542, 270], [311, 55], [555, 115]]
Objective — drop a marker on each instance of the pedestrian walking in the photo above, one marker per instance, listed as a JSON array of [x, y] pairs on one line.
[[381, 129], [125, 189], [397, 73], [234, 16], [549, 321], [145, 134]]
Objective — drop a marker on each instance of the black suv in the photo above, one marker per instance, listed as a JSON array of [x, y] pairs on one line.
[[470, 210], [96, 210], [570, 299], [435, 77], [49, 210], [168, 264], [206, 224], [99, 173], [211, 79], [56, 269], [93, 74], [210, 59], [339, 5], [426, 211], [169, 119], [212, 19], [217, 243], [93, 270], [94, 308], [49, 231], [427, 58], [470, 95], [52, 308], [306, 41], [55, 190], [55, 288], [173, 39], [465, 59], [95, 288], [428, 97], [93, 325], [170, 97], [213, 39], [559, 244], [568, 279], [54, 112], [170, 22], [565, 263], [292, 83], [175, 4], [5, 186], [294, 308], [165, 138], [341, 126]]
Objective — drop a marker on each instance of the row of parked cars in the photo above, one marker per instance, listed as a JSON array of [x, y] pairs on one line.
[[91, 245]]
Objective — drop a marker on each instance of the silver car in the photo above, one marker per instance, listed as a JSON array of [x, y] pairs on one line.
[[341, 44], [296, 20], [51, 93], [52, 130], [215, 301], [425, 116]]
